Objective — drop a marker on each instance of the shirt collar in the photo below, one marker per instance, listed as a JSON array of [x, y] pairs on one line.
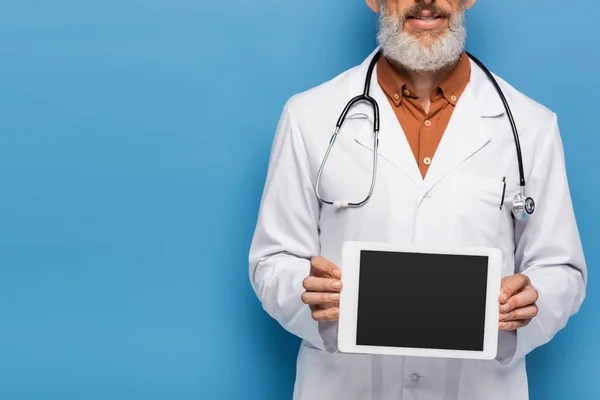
[[396, 88], [455, 84]]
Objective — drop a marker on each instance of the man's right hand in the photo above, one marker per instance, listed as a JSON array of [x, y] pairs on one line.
[[323, 287]]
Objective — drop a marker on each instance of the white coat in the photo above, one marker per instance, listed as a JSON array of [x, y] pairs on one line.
[[458, 202]]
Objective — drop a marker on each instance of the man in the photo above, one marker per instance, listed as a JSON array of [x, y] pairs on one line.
[[446, 163]]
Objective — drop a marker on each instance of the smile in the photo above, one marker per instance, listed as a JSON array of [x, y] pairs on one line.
[[426, 22]]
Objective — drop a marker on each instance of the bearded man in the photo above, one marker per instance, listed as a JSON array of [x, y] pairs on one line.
[[447, 175]]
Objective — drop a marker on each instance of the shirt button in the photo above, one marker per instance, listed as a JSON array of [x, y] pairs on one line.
[[406, 92], [427, 122], [415, 377], [453, 98], [427, 160], [396, 97]]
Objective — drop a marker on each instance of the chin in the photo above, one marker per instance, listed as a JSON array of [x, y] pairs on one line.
[[428, 38]]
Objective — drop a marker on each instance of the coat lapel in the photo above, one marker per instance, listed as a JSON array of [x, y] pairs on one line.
[[393, 145], [463, 137], [466, 133]]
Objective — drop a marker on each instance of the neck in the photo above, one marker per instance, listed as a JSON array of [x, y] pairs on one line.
[[423, 82]]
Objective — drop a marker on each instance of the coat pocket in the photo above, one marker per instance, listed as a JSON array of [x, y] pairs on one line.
[[467, 211]]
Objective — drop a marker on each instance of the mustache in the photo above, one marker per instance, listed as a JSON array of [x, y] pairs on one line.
[[435, 10]]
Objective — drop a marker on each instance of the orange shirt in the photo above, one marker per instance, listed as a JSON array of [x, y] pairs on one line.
[[424, 131]]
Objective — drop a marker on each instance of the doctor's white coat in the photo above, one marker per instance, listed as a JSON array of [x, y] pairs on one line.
[[458, 202]]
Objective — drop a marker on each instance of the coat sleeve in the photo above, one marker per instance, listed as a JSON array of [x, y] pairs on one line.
[[287, 237], [548, 249]]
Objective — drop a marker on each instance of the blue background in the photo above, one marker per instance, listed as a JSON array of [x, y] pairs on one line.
[[134, 141]]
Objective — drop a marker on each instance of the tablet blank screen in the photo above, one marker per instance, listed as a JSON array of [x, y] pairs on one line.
[[422, 300]]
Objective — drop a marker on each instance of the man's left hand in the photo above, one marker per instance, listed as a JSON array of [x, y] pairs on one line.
[[517, 302]]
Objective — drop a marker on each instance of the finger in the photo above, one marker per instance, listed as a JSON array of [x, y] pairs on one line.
[[314, 284], [511, 326], [315, 307], [528, 312], [320, 298], [525, 298], [331, 314], [322, 266], [511, 285]]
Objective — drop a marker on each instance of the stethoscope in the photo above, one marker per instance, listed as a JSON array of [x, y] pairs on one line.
[[522, 206]]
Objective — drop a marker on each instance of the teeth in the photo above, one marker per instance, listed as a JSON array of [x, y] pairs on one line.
[[420, 17]]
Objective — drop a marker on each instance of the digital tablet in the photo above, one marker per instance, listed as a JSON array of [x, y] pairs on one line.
[[419, 301]]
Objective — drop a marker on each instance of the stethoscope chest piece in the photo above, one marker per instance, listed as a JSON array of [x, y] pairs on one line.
[[523, 206]]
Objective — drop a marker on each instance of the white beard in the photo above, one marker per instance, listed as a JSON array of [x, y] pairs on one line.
[[405, 49]]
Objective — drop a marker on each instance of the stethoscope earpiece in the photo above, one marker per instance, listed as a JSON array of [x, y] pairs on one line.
[[341, 204]]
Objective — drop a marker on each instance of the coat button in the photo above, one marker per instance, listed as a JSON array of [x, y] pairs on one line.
[[427, 160], [415, 377]]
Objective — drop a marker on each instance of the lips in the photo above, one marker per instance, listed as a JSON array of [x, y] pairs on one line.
[[426, 20]]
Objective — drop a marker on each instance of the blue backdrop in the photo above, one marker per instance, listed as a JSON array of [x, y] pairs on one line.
[[134, 140]]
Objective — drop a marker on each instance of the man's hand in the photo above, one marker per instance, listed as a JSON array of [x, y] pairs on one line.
[[323, 287], [517, 302]]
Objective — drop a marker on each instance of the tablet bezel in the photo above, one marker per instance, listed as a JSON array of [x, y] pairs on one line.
[[349, 301]]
